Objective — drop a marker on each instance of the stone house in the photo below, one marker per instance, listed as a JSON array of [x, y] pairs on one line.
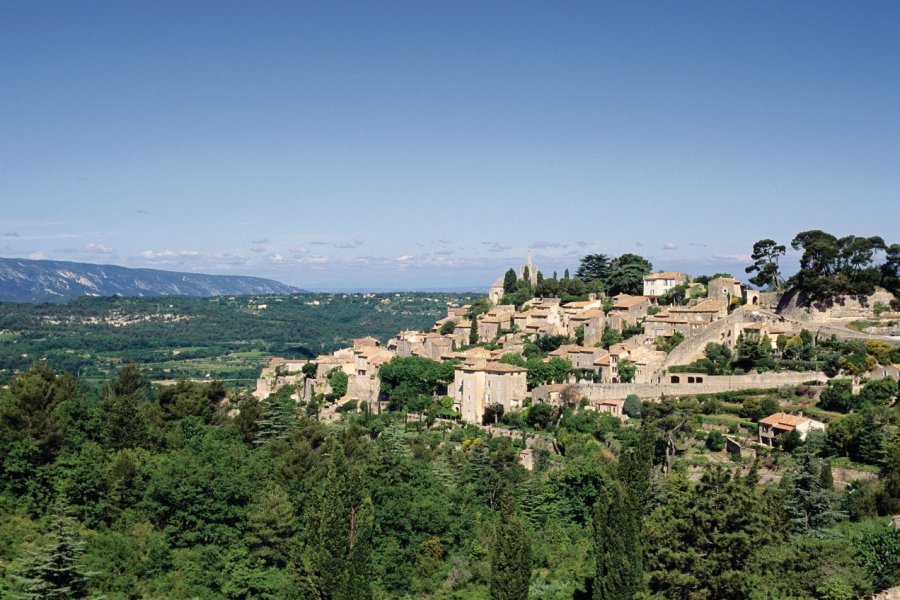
[[628, 310], [705, 312], [593, 320], [582, 357], [657, 284], [725, 289], [613, 407], [780, 423], [479, 383]]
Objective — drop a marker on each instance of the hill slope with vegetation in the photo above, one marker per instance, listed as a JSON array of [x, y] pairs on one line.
[[226, 337]]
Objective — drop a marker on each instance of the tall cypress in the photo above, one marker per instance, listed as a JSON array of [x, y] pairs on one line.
[[613, 544], [510, 556], [473, 332], [618, 544], [341, 530]]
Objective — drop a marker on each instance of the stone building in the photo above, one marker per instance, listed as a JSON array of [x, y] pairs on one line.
[[478, 383], [780, 423], [657, 284]]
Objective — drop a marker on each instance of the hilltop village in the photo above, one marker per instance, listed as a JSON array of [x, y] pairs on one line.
[[513, 349]]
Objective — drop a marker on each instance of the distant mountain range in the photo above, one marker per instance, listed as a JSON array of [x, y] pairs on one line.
[[23, 280]]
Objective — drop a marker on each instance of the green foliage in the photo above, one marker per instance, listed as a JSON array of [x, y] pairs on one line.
[[510, 558], [56, 571], [632, 406], [715, 441], [807, 568], [765, 256], [721, 520], [610, 337], [626, 371], [878, 392], [310, 369], [509, 281], [338, 380], [838, 396], [405, 378], [448, 327], [807, 502], [831, 266]]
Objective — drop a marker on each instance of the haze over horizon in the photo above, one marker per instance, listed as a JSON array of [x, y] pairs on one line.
[[398, 145]]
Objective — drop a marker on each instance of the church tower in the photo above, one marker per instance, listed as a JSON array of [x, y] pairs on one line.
[[532, 269]]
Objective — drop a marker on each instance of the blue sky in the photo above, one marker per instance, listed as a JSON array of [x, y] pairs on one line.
[[400, 145]]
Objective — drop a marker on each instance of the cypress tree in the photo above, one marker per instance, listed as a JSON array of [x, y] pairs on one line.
[[510, 557], [613, 547], [341, 529], [509, 281], [473, 333]]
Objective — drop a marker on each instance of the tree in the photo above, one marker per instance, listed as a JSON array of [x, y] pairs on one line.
[[838, 396], [614, 548], [448, 327], [632, 406], [626, 370], [510, 557], [610, 336], [878, 392], [539, 415], [509, 281], [338, 380], [30, 410], [715, 441], [701, 538], [271, 526], [719, 357], [765, 256], [473, 331], [310, 369], [627, 276], [341, 529], [594, 267], [56, 571], [807, 503], [278, 418]]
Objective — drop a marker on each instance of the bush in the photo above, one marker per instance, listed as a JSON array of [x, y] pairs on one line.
[[715, 441], [632, 406]]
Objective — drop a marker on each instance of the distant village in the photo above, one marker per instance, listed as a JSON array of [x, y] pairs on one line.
[[655, 344]]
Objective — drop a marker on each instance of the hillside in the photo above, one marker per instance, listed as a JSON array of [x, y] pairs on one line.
[[227, 337], [23, 280]]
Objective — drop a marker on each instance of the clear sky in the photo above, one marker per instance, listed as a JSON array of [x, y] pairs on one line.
[[424, 144]]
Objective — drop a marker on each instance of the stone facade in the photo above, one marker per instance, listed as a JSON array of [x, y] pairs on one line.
[[657, 284], [479, 383]]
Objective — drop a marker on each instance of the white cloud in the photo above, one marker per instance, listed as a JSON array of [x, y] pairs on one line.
[[670, 246], [38, 255], [93, 248]]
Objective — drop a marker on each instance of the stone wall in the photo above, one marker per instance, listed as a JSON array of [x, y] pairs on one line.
[[711, 385], [693, 347]]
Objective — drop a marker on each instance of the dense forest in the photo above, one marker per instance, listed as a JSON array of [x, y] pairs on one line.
[[228, 337], [127, 490]]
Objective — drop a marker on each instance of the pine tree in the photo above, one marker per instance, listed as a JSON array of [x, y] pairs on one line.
[[807, 503], [271, 526], [278, 418], [341, 529], [510, 557], [473, 332], [56, 571]]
